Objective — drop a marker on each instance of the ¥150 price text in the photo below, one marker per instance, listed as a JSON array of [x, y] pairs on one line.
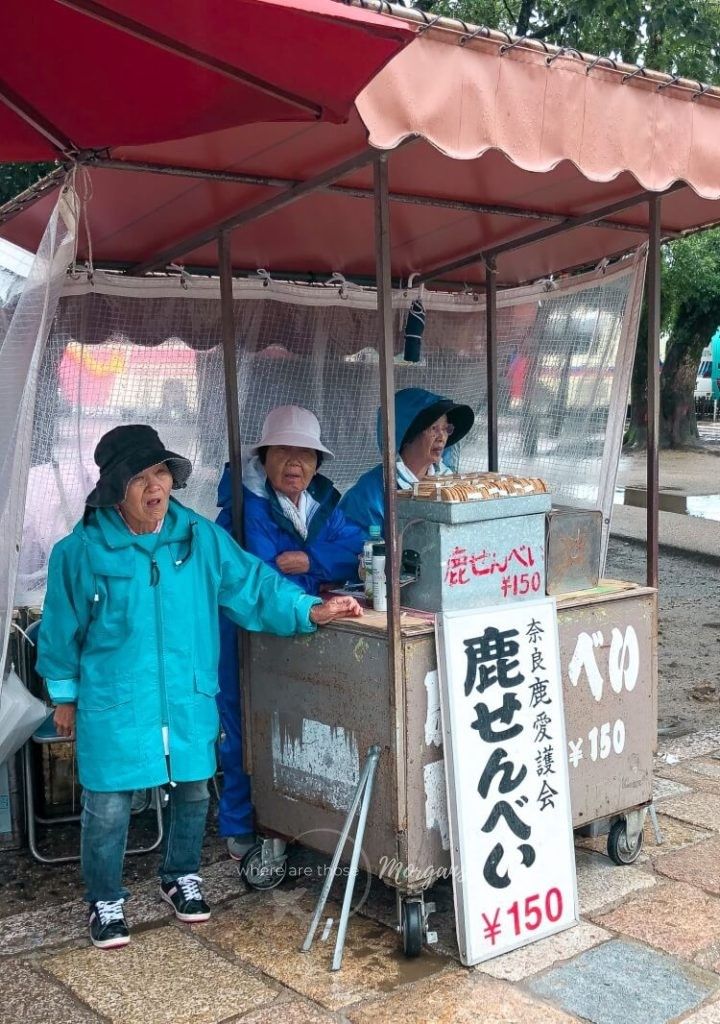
[[524, 915]]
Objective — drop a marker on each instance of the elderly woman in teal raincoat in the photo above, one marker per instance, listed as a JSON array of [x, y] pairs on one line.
[[129, 647]]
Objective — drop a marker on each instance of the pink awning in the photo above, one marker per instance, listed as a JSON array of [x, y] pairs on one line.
[[505, 144], [91, 74], [539, 114]]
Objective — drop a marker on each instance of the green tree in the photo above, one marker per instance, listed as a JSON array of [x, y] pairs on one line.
[[15, 178], [691, 284], [678, 38]]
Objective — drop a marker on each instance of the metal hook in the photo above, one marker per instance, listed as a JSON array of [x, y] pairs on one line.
[[336, 278], [485, 32], [429, 24], [633, 74], [506, 47], [184, 276], [563, 52], [264, 276], [666, 85], [700, 92], [599, 60]]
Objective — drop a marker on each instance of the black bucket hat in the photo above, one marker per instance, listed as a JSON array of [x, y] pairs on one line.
[[461, 416], [124, 452]]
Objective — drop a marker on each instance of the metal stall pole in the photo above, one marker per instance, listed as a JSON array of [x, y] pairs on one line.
[[653, 393], [387, 413], [492, 361], [232, 406], [232, 402]]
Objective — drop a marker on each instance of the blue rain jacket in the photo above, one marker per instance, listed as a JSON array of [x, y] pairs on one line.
[[333, 542], [130, 632], [364, 502]]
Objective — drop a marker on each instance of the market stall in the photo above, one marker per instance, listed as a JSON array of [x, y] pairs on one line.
[[551, 162]]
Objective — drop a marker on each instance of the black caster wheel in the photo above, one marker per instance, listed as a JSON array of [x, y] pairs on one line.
[[413, 928], [259, 875], [619, 850]]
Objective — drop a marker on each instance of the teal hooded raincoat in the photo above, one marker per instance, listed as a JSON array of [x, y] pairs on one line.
[[130, 632]]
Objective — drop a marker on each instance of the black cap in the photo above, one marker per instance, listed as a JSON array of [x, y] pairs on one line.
[[124, 452]]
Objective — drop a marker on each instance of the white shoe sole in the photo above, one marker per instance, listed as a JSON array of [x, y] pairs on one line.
[[117, 943], [186, 918]]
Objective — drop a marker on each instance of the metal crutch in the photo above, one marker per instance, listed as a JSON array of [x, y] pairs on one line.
[[363, 792]]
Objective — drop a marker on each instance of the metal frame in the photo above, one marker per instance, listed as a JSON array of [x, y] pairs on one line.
[[32, 819], [387, 414], [492, 361], [54, 135], [232, 408], [653, 395], [583, 220], [178, 49], [350, 191], [245, 216]]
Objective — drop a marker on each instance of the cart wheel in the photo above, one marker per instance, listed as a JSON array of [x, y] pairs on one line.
[[617, 844], [413, 927], [259, 875]]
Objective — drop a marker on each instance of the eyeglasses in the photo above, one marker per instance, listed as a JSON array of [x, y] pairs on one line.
[[441, 430]]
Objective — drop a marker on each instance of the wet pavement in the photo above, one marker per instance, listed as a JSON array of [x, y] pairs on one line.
[[646, 950]]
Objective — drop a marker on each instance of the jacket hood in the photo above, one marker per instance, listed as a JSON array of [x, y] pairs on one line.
[[412, 402]]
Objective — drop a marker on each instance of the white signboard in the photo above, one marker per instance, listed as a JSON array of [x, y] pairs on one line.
[[511, 835]]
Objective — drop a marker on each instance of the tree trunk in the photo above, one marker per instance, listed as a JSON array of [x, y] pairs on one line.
[[523, 22], [678, 425]]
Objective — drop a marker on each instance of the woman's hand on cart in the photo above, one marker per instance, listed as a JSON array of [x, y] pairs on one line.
[[335, 608], [64, 719]]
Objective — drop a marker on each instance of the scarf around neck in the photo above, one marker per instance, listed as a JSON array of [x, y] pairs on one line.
[[406, 478]]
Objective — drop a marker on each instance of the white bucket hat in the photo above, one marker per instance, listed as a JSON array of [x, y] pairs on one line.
[[294, 426]]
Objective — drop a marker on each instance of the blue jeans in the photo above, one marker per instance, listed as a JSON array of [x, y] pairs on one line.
[[104, 830]]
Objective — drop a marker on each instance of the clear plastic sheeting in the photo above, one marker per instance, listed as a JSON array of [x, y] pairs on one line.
[[25, 318], [129, 351]]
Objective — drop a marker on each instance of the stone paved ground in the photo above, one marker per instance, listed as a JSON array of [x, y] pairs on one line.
[[646, 951]]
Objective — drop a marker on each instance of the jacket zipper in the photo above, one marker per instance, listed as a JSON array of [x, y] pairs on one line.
[[155, 584]]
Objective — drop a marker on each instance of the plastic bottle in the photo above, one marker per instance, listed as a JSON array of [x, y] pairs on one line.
[[367, 555], [378, 578]]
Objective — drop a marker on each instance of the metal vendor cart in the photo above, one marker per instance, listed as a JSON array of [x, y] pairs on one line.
[[305, 765]]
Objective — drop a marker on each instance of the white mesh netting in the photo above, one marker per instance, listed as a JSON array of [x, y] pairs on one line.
[[122, 350], [27, 310]]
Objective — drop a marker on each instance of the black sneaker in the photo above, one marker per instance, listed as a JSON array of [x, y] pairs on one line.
[[185, 897], [108, 927]]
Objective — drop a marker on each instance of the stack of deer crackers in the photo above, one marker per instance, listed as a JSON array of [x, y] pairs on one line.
[[457, 487]]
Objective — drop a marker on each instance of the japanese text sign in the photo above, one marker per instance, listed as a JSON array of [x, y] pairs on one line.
[[507, 776]]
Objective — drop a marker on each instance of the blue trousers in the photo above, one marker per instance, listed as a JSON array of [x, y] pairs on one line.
[[236, 811], [104, 823]]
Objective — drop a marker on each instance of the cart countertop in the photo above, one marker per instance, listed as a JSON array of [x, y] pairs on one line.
[[414, 623]]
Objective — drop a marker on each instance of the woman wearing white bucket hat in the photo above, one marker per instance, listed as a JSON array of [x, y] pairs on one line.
[[292, 521], [290, 511]]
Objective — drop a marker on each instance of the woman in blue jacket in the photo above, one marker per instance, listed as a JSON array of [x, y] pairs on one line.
[[426, 425], [129, 647], [291, 521]]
